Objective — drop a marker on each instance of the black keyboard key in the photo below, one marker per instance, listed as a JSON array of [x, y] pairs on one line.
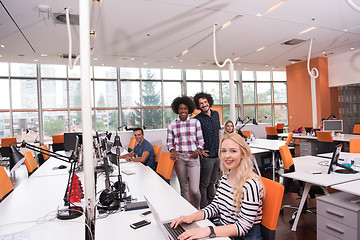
[[174, 232]]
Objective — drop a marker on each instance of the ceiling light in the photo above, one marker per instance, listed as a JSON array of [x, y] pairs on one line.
[[323, 52], [199, 65], [99, 1], [3, 46], [225, 25], [266, 65], [271, 8], [132, 59], [245, 68], [43, 55], [102, 64], [352, 48], [36, 60], [184, 52], [293, 62], [238, 64], [171, 66], [95, 59], [272, 68], [181, 60], [307, 30], [0, 56], [259, 49], [235, 59], [145, 63], [92, 32]]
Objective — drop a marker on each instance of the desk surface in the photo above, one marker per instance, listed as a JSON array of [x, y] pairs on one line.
[[336, 138], [311, 163], [349, 187], [272, 145], [33, 201], [168, 203], [343, 155]]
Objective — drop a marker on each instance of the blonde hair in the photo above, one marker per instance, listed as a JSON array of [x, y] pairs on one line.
[[225, 132], [245, 169]]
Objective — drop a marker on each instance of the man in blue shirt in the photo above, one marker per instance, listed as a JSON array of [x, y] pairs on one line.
[[209, 162], [142, 152]]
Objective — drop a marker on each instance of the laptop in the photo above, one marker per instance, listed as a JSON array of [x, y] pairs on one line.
[[169, 232]]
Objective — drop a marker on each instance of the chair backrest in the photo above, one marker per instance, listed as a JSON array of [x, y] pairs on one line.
[[157, 151], [246, 133], [272, 201], [288, 161], [5, 146], [6, 186], [58, 142], [30, 162], [324, 136], [289, 138], [280, 127], [356, 129], [354, 146], [165, 166], [45, 156], [271, 132], [132, 144]]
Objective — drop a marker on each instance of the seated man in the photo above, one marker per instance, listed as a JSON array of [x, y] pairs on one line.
[[142, 152]]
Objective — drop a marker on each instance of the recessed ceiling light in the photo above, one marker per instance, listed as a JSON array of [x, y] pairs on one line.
[[184, 52], [95, 59], [91, 48], [92, 32], [245, 68], [171, 66], [145, 63], [260, 49], [266, 65], [132, 59], [36, 60], [272, 68], [293, 62], [102, 64], [352, 48], [43, 55], [199, 65], [238, 64], [0, 56], [323, 52], [181, 60], [3, 46], [307, 30], [271, 8], [235, 59]]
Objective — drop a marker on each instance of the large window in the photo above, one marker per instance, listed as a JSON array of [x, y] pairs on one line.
[[132, 97]]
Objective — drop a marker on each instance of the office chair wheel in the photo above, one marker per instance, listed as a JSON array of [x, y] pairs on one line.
[[281, 211], [292, 220]]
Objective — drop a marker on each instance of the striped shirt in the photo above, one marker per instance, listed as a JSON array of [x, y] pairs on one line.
[[185, 136], [250, 210]]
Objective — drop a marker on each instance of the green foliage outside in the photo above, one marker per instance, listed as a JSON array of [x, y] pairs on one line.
[[54, 126]]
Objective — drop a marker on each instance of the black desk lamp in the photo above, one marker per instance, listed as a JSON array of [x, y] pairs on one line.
[[254, 122], [119, 185], [16, 158], [70, 212], [332, 116]]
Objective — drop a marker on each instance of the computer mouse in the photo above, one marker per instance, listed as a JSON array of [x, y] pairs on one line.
[[62, 166]]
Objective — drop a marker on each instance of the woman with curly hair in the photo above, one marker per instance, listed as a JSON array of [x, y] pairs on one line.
[[184, 142], [238, 200]]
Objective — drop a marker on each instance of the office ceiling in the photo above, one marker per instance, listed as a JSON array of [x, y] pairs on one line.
[[153, 33]]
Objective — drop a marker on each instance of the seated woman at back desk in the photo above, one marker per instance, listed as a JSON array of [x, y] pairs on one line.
[[238, 200]]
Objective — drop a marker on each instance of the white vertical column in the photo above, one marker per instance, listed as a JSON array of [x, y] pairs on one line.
[[313, 101], [89, 184], [232, 92]]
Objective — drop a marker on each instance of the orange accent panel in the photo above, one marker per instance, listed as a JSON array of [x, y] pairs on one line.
[[299, 93], [218, 109], [272, 201], [354, 145], [58, 138], [324, 136]]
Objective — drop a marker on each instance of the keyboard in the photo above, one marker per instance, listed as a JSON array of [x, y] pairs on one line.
[[174, 232]]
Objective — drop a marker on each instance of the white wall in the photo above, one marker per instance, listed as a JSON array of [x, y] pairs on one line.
[[344, 69]]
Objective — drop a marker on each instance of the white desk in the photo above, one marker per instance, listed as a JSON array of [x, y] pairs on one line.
[[343, 155], [257, 130], [336, 138], [34, 199], [311, 163], [271, 145], [165, 199], [349, 187]]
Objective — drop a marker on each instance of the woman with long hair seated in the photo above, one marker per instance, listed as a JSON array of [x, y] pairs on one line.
[[238, 200]]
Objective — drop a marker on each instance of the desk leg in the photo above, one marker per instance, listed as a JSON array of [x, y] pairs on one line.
[[273, 163], [256, 165], [301, 206]]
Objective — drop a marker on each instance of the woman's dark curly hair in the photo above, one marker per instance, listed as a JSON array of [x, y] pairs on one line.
[[182, 100], [203, 95]]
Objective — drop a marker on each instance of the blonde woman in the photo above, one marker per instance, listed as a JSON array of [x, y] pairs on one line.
[[228, 127], [238, 200]]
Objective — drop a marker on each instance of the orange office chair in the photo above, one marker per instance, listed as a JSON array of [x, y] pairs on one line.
[[6, 186], [165, 166], [5, 149], [356, 129], [246, 134], [58, 142], [30, 163], [293, 185], [43, 156], [271, 133], [354, 146], [289, 139], [157, 151], [280, 127], [325, 142], [274, 193], [132, 144]]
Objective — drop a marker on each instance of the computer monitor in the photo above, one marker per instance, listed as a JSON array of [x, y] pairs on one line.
[[333, 125], [334, 162], [69, 140]]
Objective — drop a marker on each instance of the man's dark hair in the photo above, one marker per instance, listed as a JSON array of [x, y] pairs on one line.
[[182, 100], [203, 95], [139, 129]]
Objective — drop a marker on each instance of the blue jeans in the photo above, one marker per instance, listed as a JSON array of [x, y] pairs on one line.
[[253, 234]]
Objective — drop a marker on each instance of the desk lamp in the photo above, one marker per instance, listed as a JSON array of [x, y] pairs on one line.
[[16, 158], [70, 212], [119, 185]]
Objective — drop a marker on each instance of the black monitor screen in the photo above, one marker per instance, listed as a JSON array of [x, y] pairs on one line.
[[335, 158], [70, 140]]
